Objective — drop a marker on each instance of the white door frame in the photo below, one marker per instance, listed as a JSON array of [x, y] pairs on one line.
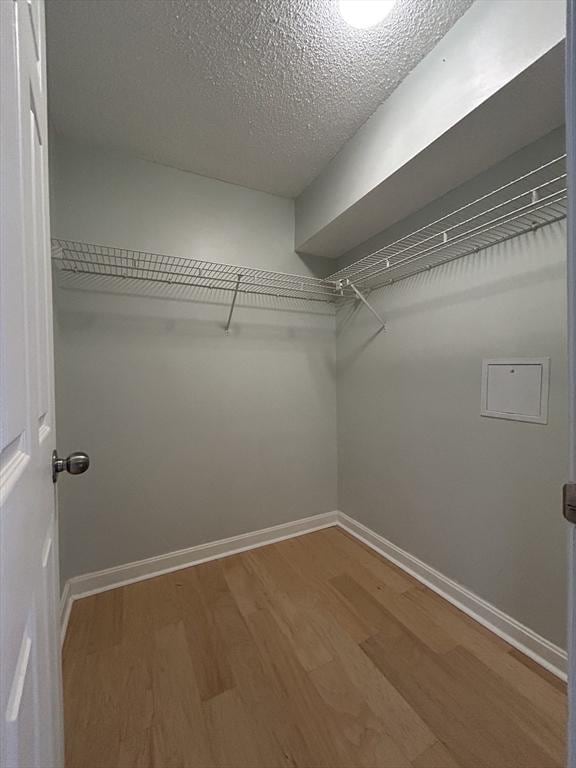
[[571, 168]]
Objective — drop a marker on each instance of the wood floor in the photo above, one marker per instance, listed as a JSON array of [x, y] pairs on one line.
[[311, 652]]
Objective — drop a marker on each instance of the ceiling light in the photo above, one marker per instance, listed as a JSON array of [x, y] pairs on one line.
[[365, 13]]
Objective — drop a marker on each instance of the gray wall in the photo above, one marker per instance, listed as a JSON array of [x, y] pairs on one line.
[[193, 435], [196, 435], [115, 199], [476, 498], [549, 148], [494, 44]]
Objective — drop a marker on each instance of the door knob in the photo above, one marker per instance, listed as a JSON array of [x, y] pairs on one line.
[[75, 464]]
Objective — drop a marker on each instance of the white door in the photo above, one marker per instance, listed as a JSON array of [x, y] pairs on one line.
[[31, 731]]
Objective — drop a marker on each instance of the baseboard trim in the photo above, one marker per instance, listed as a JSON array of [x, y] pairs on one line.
[[119, 576], [65, 608], [545, 653]]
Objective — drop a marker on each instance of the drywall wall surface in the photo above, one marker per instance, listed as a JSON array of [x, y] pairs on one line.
[[115, 199], [474, 497], [193, 435], [549, 149], [491, 47]]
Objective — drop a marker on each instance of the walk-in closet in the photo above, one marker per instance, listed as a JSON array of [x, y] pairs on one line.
[[307, 412]]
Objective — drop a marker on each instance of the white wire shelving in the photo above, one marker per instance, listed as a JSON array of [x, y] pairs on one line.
[[520, 206], [87, 258], [121, 264], [527, 203]]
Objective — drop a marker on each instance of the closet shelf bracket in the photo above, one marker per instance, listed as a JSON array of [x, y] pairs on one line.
[[234, 297], [359, 295]]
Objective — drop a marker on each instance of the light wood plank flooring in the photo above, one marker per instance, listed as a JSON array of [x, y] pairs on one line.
[[311, 652]]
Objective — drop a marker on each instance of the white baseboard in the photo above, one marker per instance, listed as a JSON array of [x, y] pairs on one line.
[[65, 608], [545, 653], [121, 575]]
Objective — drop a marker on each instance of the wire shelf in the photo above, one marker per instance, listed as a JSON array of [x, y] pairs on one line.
[[523, 205], [100, 260]]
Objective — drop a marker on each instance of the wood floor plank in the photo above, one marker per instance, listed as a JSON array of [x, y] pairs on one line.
[[376, 601], [136, 751], [275, 572], [310, 653], [119, 706], [236, 738], [196, 609], [462, 627], [401, 722], [366, 734], [179, 735], [118, 673], [292, 618], [408, 612], [96, 622], [436, 756], [316, 551], [137, 617], [361, 554], [318, 574], [255, 673], [537, 725], [94, 721], [247, 589], [468, 724], [495, 654], [289, 606], [321, 735], [75, 676], [550, 678], [173, 745], [125, 682], [164, 599], [80, 624]]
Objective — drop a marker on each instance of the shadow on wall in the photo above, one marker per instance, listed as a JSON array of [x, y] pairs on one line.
[[317, 265], [157, 325], [120, 310], [466, 280], [127, 287]]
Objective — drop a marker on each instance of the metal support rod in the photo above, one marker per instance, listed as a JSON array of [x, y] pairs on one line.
[[238, 278], [367, 304]]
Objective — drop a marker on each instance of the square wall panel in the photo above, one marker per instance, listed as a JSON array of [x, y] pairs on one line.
[[516, 388]]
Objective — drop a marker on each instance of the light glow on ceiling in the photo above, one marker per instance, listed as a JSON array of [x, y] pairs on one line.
[[363, 14]]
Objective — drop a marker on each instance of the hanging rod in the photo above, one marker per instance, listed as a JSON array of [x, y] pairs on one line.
[[531, 201]]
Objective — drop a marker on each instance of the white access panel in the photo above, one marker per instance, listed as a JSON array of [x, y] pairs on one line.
[[516, 388]]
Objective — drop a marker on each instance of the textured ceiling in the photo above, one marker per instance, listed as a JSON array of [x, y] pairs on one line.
[[261, 93]]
